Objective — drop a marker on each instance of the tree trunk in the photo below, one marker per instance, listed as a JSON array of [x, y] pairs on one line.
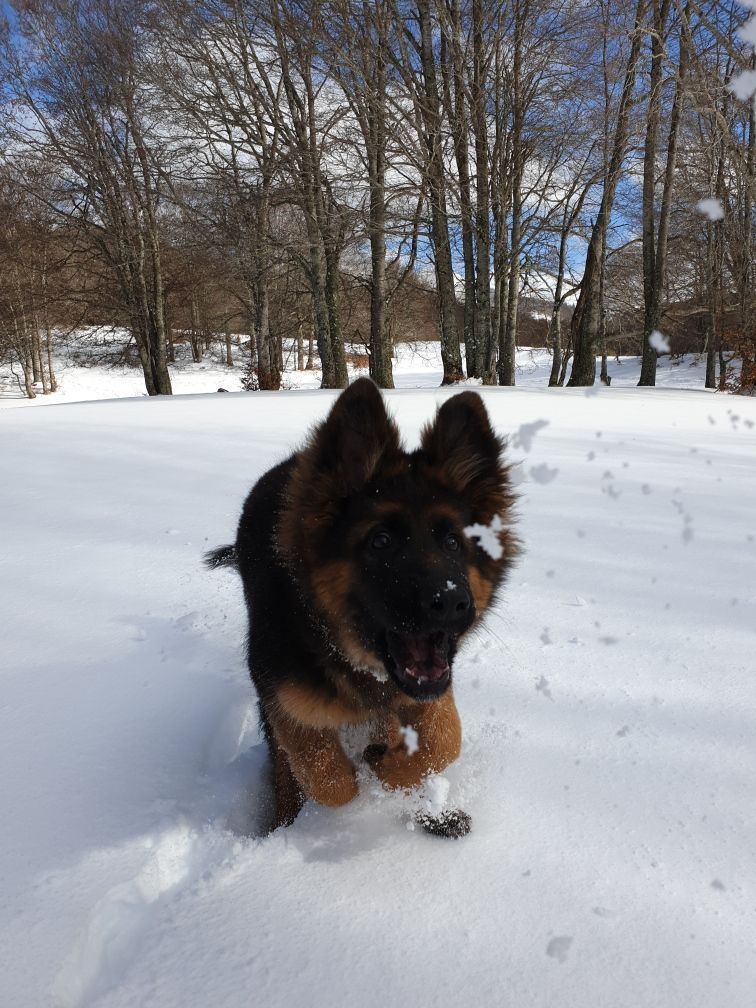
[[555, 324], [195, 331], [300, 347], [170, 345], [711, 368], [747, 383], [454, 92], [268, 372], [508, 347], [586, 320], [333, 298], [39, 367], [36, 355], [655, 252], [555, 341], [451, 354], [566, 357], [380, 349], [484, 351], [50, 368], [26, 367]]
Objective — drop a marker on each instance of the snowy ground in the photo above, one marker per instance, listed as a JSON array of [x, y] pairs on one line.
[[416, 365], [609, 714]]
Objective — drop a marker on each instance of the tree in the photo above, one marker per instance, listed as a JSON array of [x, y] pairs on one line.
[[76, 71], [358, 41], [417, 64], [587, 317], [655, 236]]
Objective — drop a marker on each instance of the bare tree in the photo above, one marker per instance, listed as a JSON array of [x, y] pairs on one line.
[[80, 104], [587, 317], [655, 236], [416, 61], [358, 37]]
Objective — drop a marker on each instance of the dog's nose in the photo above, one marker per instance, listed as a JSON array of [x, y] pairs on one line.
[[448, 604]]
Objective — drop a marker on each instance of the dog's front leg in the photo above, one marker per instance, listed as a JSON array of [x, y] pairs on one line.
[[319, 764], [436, 743]]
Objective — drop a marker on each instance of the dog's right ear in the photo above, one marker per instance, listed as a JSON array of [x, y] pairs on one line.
[[355, 438]]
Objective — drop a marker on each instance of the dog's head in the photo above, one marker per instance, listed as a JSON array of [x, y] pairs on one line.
[[384, 539]]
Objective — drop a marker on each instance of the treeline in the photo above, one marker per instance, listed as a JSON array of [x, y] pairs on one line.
[[274, 166]]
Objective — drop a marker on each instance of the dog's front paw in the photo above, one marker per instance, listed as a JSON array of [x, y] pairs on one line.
[[397, 770], [453, 823]]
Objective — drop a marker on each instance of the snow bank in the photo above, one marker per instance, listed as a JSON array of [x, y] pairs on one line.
[[416, 365]]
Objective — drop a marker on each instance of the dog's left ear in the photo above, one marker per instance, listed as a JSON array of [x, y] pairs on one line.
[[356, 437], [463, 448]]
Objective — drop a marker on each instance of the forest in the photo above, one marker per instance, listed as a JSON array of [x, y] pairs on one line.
[[345, 173]]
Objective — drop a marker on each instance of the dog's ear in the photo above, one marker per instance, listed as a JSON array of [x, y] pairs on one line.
[[462, 447], [356, 437]]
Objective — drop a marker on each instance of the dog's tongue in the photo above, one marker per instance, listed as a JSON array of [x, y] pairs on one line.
[[424, 657]]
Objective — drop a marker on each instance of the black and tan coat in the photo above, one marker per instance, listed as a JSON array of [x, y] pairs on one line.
[[361, 583]]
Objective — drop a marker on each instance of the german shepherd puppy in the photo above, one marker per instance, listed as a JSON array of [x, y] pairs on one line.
[[362, 574]]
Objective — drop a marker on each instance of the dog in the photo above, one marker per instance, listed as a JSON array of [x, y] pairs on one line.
[[364, 568]]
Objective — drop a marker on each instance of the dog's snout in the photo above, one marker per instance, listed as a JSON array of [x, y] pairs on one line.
[[448, 604]]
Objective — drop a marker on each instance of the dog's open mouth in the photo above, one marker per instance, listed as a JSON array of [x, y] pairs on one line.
[[420, 663]]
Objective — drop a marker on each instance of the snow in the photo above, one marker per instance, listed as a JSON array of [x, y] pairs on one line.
[[711, 208], [559, 948], [487, 536], [609, 742], [744, 85], [416, 365], [748, 31], [659, 342], [543, 473], [436, 789], [411, 739], [523, 436]]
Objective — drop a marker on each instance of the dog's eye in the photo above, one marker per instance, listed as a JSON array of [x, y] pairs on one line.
[[451, 542], [381, 540]]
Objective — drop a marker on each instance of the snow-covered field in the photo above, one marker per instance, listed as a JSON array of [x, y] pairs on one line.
[[416, 365], [609, 711]]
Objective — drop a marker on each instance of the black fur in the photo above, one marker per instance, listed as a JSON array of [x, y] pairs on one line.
[[223, 556]]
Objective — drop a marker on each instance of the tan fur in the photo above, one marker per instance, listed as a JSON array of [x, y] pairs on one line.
[[318, 763], [357, 655], [331, 584], [439, 733], [317, 709], [481, 589]]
